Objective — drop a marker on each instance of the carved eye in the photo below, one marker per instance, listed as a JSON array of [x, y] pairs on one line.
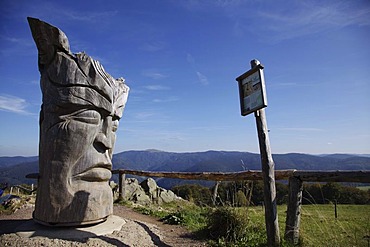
[[88, 116]]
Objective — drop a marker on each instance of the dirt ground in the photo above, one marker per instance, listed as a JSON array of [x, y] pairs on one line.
[[139, 230]]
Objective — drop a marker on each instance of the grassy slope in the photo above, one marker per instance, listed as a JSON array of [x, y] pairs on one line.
[[318, 224], [320, 228]]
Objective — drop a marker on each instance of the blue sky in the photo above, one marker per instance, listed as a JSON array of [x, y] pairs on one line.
[[181, 58]]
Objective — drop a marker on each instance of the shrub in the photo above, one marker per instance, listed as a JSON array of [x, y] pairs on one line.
[[196, 193], [227, 223], [241, 199]]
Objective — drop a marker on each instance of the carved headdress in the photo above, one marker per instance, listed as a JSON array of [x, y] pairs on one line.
[[85, 83]]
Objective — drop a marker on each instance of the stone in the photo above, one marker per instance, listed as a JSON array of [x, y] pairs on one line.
[[147, 192], [166, 196], [134, 192], [141, 197], [131, 186], [150, 187], [81, 107], [30, 229], [114, 188]]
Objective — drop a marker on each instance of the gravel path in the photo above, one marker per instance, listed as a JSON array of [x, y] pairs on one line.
[[139, 230]]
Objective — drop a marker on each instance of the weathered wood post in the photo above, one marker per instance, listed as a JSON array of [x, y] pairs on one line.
[[253, 99], [121, 185], [214, 197], [293, 215], [269, 189]]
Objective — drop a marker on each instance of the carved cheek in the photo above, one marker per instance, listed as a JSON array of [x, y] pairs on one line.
[[82, 135]]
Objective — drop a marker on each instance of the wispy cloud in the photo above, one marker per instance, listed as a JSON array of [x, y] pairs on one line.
[[203, 5], [324, 14], [151, 117], [166, 100], [202, 78], [307, 17], [190, 59], [13, 46], [154, 74], [286, 84], [87, 16], [156, 87], [144, 115], [301, 129], [279, 22], [17, 41], [13, 104], [153, 46], [228, 3], [157, 135]]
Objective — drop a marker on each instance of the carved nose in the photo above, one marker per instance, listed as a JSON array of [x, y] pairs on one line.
[[104, 139]]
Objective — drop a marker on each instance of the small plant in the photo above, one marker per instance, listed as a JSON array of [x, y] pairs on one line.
[[174, 219], [151, 211], [122, 202], [227, 224], [193, 217], [5, 210]]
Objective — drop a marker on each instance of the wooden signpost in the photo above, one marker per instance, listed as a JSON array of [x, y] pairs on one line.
[[253, 99]]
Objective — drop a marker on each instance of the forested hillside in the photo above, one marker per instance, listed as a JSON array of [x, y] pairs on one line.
[[14, 169]]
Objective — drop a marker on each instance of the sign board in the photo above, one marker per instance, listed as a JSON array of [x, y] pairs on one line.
[[252, 90]]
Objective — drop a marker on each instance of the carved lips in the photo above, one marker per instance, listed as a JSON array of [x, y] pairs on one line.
[[99, 173]]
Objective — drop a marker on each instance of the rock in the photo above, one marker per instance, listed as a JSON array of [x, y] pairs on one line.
[[150, 187], [166, 195], [114, 188], [131, 186], [146, 192], [140, 197], [134, 192]]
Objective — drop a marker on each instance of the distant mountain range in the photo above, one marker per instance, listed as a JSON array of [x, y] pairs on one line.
[[14, 169]]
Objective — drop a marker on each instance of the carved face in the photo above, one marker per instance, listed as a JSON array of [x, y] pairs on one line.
[[78, 145], [79, 119], [83, 139], [81, 108]]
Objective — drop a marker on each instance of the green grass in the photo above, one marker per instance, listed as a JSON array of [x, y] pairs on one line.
[[351, 228], [365, 188], [320, 228], [177, 213], [318, 224]]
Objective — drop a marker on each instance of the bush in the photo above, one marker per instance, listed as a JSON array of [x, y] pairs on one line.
[[196, 193], [227, 223], [321, 194], [241, 199]]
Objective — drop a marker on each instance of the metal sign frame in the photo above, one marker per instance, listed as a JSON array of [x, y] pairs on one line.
[[252, 90]]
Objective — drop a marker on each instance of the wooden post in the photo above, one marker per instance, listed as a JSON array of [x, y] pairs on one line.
[[214, 197], [271, 217], [269, 189], [293, 217], [121, 185]]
